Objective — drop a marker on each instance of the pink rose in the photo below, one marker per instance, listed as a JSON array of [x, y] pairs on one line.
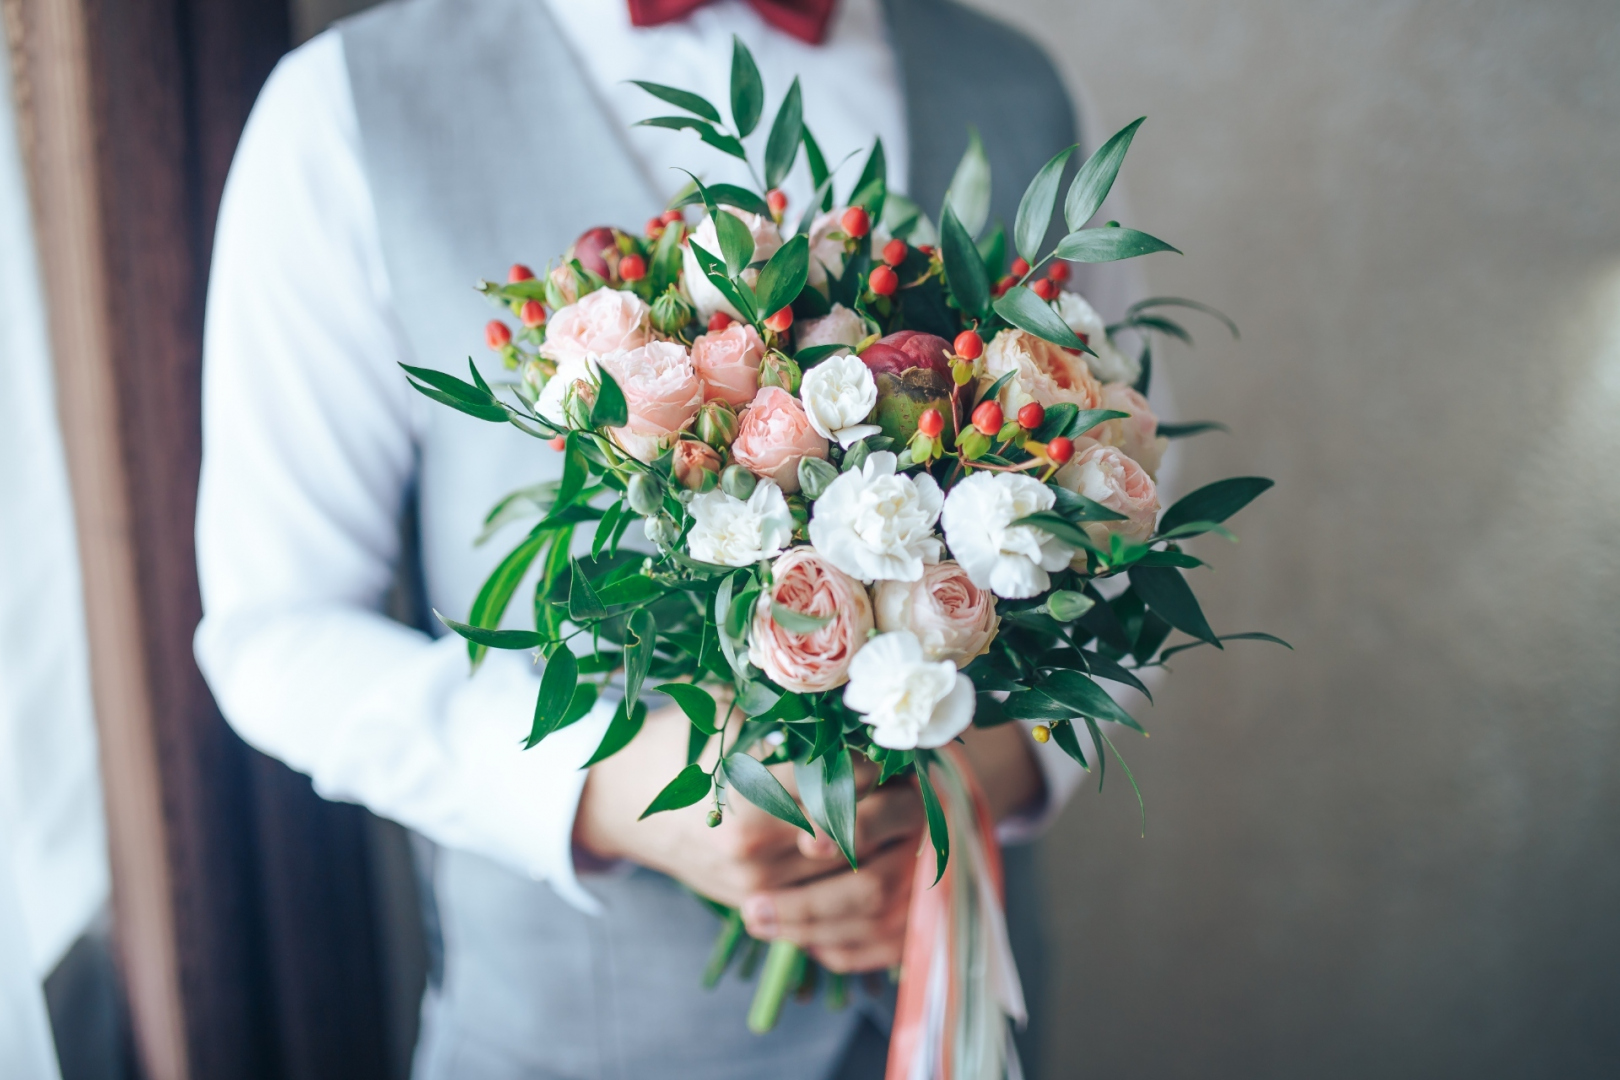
[[953, 618], [774, 435], [662, 392], [809, 663], [695, 466], [728, 363], [604, 321], [1137, 436], [1046, 373], [840, 326], [1103, 474]]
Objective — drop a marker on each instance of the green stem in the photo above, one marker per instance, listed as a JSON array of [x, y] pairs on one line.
[[784, 967], [725, 947]]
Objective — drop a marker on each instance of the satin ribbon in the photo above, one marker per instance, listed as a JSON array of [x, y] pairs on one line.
[[805, 19]]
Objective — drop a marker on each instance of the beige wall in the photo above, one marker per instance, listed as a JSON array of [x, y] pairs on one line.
[[1395, 852]]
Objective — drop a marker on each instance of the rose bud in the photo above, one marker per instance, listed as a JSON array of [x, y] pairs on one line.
[[1060, 450], [719, 321], [1031, 416], [1058, 271], [661, 531], [497, 335], [969, 345], [716, 424], [779, 322], [1046, 289], [561, 287], [883, 280], [643, 495], [592, 250], [737, 482], [1020, 267], [894, 252], [518, 273], [672, 312], [532, 314], [778, 370], [696, 467], [856, 222], [987, 418], [913, 375], [632, 268], [815, 475], [777, 201]]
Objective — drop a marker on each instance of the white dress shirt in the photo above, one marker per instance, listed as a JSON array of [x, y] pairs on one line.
[[309, 434]]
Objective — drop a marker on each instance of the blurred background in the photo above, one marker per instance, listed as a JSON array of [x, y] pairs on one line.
[[1391, 852]]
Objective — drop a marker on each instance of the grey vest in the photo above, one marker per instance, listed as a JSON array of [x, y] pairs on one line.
[[484, 146]]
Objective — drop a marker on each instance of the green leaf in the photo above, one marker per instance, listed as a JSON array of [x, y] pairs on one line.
[[1079, 693], [1251, 635], [583, 701], [993, 249], [747, 90], [1214, 502], [1035, 705], [466, 398], [1190, 427], [1064, 530], [682, 99], [1197, 528], [797, 622], [706, 131], [1063, 734], [1170, 558], [604, 528], [495, 639], [964, 269], [784, 277], [871, 188], [497, 590], [1027, 311], [575, 470], [938, 833], [1097, 744], [736, 242], [583, 603], [969, 194], [820, 175], [1109, 245], [783, 145], [755, 783], [1096, 176], [1179, 301], [715, 270], [630, 590], [558, 686], [815, 354], [893, 763], [697, 703], [610, 409], [1163, 325], [1128, 775], [638, 652], [827, 790], [621, 729], [1086, 419], [1163, 589], [1104, 668], [688, 787], [728, 195]]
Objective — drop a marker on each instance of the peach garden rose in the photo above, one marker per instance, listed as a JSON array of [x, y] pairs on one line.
[[774, 435], [1103, 474], [1045, 373], [1136, 435], [604, 321], [953, 618], [808, 663], [728, 363], [662, 392]]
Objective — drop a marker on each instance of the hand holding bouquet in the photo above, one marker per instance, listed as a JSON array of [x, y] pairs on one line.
[[884, 472]]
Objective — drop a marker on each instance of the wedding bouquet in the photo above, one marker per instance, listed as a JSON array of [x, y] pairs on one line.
[[889, 470]]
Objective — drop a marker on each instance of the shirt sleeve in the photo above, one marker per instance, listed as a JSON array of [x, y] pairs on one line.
[[310, 446]]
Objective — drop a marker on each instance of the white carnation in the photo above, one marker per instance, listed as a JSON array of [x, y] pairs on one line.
[[1010, 560], [837, 395], [732, 532], [767, 239], [1110, 364], [909, 701], [876, 524], [572, 388], [840, 326]]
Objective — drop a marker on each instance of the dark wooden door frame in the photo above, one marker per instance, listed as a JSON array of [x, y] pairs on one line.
[[242, 903]]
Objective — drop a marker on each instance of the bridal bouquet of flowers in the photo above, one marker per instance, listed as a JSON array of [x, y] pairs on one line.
[[887, 470]]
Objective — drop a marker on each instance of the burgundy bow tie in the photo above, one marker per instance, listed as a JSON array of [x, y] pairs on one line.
[[805, 19]]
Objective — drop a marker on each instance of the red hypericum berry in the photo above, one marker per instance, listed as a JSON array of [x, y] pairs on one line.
[[926, 249], [1004, 284], [632, 267], [558, 443], [1020, 267], [779, 322], [987, 417], [719, 321], [1031, 415], [1060, 450], [776, 199], [968, 345], [1046, 289], [856, 222], [670, 217], [883, 280], [518, 273], [894, 252], [532, 313], [497, 335], [931, 423], [655, 228], [1058, 271]]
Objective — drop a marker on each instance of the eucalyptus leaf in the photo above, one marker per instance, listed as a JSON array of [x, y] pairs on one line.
[[783, 145], [969, 194], [755, 783], [1095, 178], [690, 785], [1109, 245]]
